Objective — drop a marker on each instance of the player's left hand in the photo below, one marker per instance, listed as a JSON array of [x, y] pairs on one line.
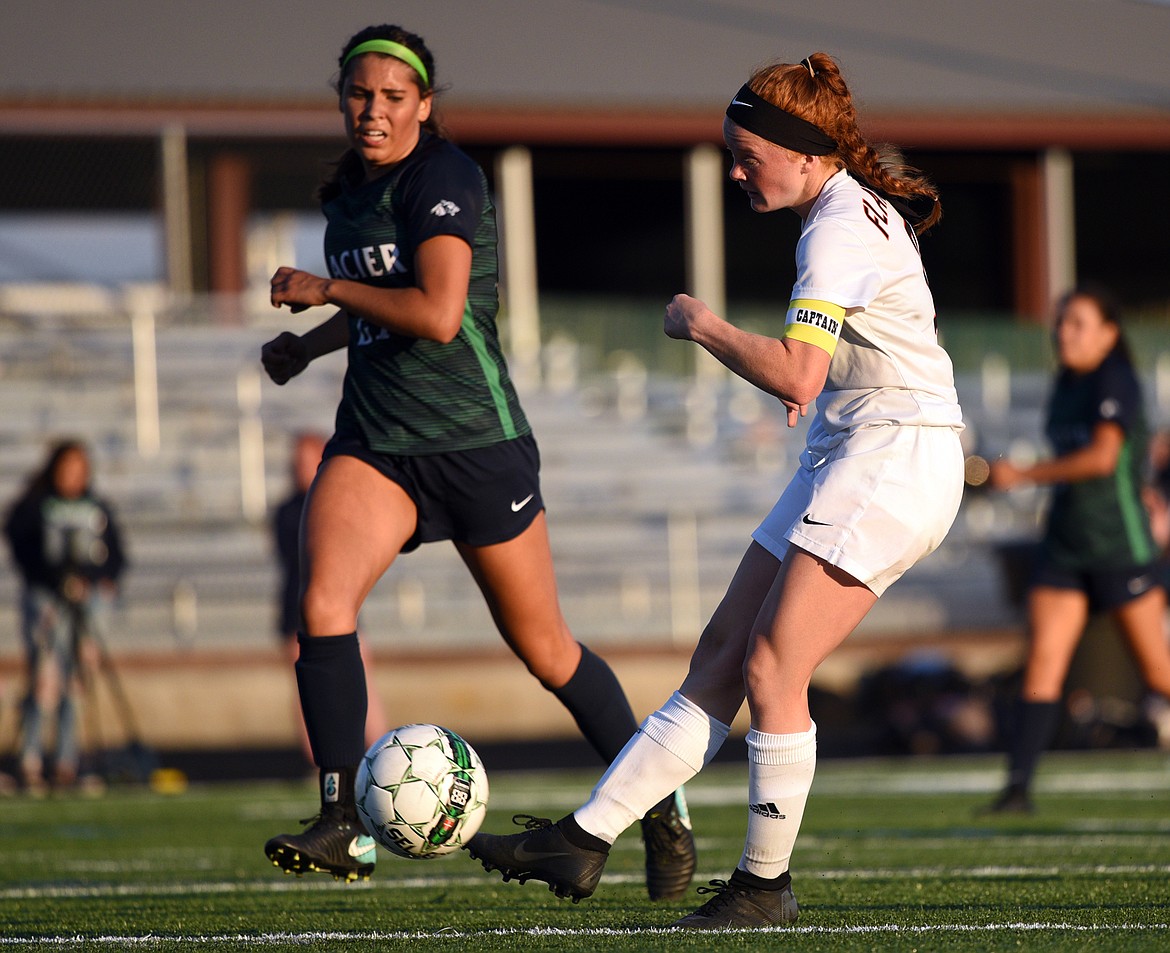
[[297, 289], [284, 357]]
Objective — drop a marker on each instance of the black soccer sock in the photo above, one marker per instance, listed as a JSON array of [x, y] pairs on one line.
[[745, 878], [332, 684], [336, 788], [1036, 724], [576, 835], [595, 699]]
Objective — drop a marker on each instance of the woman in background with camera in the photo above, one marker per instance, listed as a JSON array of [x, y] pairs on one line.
[[67, 548]]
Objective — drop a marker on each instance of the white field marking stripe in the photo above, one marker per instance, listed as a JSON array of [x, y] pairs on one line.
[[862, 786], [1104, 833], [1117, 825], [853, 783], [286, 885], [976, 873], [1005, 839], [989, 782], [447, 933]]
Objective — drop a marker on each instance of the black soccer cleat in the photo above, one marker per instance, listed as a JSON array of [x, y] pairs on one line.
[[1014, 799], [331, 844], [738, 906], [542, 853], [670, 849]]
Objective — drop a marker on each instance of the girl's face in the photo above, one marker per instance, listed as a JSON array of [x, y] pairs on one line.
[[773, 177], [1083, 337], [383, 110], [71, 474]]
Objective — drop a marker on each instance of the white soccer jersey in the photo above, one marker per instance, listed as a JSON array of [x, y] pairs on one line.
[[856, 252], [888, 417]]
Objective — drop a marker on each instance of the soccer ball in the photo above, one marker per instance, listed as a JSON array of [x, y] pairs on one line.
[[421, 791]]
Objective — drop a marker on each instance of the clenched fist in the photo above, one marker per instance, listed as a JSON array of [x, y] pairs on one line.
[[284, 357]]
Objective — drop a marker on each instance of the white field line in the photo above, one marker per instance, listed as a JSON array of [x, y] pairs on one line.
[[861, 785], [548, 794], [447, 934], [288, 884], [1040, 846], [1099, 833]]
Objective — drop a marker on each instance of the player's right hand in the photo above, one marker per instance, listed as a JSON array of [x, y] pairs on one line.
[[284, 357], [681, 315]]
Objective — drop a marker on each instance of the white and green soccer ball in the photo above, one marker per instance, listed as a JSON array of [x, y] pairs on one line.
[[421, 791]]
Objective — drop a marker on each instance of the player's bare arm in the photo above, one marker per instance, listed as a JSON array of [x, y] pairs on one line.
[[432, 309], [1098, 458], [792, 371]]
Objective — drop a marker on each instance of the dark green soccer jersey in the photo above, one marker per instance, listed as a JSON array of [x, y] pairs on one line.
[[402, 394], [1099, 523]]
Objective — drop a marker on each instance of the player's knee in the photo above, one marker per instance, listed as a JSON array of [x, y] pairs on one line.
[[553, 665], [323, 613], [549, 666], [765, 677]]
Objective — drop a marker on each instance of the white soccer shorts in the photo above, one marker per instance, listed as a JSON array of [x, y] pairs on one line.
[[872, 502]]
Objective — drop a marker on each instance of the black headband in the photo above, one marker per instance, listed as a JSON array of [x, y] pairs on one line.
[[757, 115]]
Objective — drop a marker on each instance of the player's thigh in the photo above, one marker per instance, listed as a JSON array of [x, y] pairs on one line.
[[714, 681], [1143, 623], [1056, 620], [356, 522], [519, 584]]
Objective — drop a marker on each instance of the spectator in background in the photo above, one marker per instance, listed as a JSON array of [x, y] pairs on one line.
[[286, 528], [67, 547], [1097, 553]]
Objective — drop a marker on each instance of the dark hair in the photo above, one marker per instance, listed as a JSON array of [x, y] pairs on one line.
[[1107, 306], [347, 170], [815, 91], [40, 484]]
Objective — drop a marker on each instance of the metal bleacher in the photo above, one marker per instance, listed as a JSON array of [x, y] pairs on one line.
[[652, 487]]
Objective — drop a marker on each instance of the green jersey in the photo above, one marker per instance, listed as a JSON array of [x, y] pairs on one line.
[[1099, 523], [406, 395]]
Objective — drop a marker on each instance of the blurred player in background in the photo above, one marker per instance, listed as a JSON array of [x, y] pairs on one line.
[[430, 444], [67, 547], [878, 487], [1097, 553], [286, 528], [1157, 498]]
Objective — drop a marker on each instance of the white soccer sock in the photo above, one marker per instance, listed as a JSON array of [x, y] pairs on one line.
[[780, 773], [671, 747]]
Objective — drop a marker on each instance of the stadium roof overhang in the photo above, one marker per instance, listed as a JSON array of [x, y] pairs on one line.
[[501, 124]]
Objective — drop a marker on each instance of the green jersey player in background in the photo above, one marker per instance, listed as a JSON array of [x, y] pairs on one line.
[[1097, 553]]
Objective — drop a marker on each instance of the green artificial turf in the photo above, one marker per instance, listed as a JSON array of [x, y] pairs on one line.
[[892, 856]]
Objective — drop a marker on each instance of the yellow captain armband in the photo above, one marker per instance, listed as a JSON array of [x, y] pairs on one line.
[[815, 322]]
